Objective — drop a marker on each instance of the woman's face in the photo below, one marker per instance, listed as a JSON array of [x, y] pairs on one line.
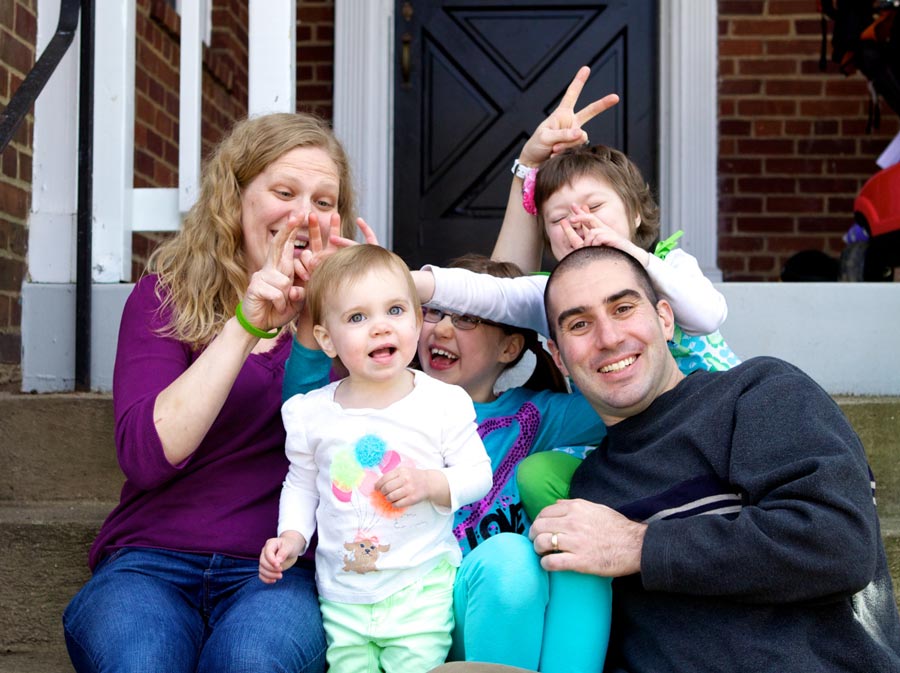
[[597, 195], [301, 181]]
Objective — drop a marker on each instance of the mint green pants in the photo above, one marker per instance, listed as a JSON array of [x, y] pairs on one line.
[[407, 631], [509, 610]]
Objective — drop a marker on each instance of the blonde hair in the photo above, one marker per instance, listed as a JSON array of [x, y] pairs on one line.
[[349, 265], [203, 270]]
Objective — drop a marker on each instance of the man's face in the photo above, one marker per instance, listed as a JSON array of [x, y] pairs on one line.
[[611, 339]]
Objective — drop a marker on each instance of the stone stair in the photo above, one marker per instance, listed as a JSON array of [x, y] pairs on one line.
[[58, 482], [59, 479]]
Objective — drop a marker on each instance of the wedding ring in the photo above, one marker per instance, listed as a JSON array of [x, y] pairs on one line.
[[554, 541]]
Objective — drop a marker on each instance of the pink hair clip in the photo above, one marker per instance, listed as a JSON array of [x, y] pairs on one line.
[[528, 192]]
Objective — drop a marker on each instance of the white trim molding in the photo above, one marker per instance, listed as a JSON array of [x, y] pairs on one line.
[[688, 129], [272, 58], [364, 104]]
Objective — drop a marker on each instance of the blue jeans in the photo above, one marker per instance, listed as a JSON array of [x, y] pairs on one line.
[[152, 610]]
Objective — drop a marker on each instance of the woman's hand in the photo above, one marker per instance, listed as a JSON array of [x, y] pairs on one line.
[[562, 129], [272, 298]]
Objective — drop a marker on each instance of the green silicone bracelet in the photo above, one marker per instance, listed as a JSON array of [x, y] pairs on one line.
[[255, 331]]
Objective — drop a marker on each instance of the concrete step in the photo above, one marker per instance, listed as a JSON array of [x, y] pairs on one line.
[[42, 566], [58, 447], [60, 480]]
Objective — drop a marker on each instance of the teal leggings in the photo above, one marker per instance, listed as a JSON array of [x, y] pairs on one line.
[[511, 611]]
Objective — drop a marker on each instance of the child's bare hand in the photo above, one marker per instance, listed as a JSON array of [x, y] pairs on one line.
[[319, 247], [406, 486], [562, 129], [279, 554], [583, 228]]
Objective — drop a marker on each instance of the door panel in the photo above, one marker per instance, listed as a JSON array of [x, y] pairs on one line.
[[482, 74]]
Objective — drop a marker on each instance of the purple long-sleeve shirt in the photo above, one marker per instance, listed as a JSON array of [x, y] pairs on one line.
[[224, 498]]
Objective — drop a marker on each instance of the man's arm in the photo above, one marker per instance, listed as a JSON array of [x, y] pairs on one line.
[[807, 530]]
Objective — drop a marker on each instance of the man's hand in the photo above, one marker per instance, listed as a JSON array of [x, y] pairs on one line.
[[589, 538]]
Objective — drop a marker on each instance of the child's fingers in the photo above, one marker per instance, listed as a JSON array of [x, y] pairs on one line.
[[367, 231], [571, 236], [315, 234], [591, 110], [574, 89]]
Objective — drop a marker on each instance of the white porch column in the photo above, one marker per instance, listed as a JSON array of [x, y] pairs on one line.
[[364, 104], [113, 178], [272, 66], [51, 222], [689, 127]]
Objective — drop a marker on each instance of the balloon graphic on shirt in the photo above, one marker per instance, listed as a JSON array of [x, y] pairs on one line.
[[346, 474], [370, 450], [368, 482], [360, 468]]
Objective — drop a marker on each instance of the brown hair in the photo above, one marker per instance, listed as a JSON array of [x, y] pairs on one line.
[[202, 270], [614, 168]]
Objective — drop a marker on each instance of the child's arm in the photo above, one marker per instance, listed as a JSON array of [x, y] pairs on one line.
[[512, 301], [520, 239], [466, 475], [279, 554], [698, 306], [306, 369], [299, 496], [467, 467]]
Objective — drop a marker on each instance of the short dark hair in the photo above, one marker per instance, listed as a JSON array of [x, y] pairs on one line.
[[582, 257]]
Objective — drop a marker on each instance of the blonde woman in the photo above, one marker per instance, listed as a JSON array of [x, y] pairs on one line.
[[197, 397]]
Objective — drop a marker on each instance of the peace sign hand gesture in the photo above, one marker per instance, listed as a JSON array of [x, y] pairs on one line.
[[562, 129], [271, 299]]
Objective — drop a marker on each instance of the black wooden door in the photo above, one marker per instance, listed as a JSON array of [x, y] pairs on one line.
[[474, 78]]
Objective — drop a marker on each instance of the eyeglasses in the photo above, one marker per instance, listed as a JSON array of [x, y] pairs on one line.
[[463, 322]]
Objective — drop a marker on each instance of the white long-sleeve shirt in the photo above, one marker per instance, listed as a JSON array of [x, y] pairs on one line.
[[698, 306], [367, 548]]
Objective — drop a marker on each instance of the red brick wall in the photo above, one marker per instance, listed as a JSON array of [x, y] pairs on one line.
[[224, 87], [793, 147], [18, 34], [315, 56]]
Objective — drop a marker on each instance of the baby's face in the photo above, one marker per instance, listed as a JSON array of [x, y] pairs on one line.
[[372, 324], [594, 194]]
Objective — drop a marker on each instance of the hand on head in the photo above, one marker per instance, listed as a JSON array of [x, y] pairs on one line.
[[592, 231], [563, 128], [323, 243]]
